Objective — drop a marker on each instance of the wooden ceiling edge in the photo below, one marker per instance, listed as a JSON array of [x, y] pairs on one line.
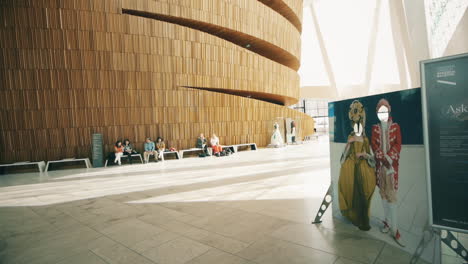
[[285, 11], [246, 41], [261, 96]]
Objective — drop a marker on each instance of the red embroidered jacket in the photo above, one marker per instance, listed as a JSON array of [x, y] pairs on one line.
[[393, 139]]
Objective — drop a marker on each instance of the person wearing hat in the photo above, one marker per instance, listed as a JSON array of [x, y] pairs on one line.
[[386, 144], [356, 183]]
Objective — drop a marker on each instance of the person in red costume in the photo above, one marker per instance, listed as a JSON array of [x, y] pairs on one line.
[[386, 144]]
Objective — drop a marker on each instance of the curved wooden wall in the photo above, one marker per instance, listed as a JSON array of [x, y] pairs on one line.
[[296, 6], [256, 45], [247, 16], [71, 68], [285, 10]]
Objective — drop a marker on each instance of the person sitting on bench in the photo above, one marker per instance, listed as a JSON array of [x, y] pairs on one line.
[[160, 147], [118, 151], [201, 143], [217, 149], [128, 149], [150, 150]]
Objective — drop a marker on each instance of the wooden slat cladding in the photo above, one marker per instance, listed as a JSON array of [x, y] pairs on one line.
[[285, 10], [296, 6], [71, 68], [251, 17], [243, 40]]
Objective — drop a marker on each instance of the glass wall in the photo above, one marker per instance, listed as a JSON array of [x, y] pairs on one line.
[[316, 108]]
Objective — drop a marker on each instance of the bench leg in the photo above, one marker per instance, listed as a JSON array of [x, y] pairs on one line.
[[46, 168], [105, 165], [88, 163], [141, 159], [181, 154], [177, 155], [253, 147]]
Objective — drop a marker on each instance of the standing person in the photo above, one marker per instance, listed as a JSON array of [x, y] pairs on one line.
[[293, 132], [128, 149], [386, 144], [161, 147], [150, 150], [357, 175], [214, 141], [118, 151], [201, 143]]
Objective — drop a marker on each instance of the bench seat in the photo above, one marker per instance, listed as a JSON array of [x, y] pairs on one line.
[[126, 156], [40, 164], [86, 161]]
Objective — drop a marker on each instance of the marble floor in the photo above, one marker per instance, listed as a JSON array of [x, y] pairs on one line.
[[251, 207]]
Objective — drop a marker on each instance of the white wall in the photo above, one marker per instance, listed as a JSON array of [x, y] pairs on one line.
[[419, 46]]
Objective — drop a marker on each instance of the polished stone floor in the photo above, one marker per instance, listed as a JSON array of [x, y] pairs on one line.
[[252, 207]]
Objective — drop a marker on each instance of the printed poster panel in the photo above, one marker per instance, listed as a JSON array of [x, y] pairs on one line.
[[378, 167], [445, 98]]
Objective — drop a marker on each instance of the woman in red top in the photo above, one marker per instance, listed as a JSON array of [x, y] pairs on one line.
[[118, 150]]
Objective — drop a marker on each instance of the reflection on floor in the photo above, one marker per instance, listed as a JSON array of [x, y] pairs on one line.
[[252, 207]]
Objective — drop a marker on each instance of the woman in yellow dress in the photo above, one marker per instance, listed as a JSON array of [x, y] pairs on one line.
[[357, 176]]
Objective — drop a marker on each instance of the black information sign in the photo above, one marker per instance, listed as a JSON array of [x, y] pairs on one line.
[[445, 115], [97, 150]]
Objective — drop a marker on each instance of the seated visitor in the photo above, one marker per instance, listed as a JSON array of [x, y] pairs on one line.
[[150, 150], [161, 147], [201, 143], [118, 151], [217, 149], [128, 149]]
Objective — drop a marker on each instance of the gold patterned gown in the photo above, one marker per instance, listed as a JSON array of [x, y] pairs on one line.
[[357, 183]]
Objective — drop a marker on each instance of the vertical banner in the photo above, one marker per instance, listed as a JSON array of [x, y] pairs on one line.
[[445, 111], [97, 150]]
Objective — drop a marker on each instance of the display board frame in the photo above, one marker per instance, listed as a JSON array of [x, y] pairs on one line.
[[427, 141]]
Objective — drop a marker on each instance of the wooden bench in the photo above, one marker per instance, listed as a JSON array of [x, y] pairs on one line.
[[172, 152], [126, 156], [86, 160], [40, 164], [181, 152], [253, 146]]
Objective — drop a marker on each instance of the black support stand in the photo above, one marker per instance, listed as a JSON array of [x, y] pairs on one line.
[[324, 206], [445, 236]]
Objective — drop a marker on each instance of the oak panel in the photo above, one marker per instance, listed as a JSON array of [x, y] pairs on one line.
[[71, 68]]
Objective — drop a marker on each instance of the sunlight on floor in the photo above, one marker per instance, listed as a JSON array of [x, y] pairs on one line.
[[263, 174]]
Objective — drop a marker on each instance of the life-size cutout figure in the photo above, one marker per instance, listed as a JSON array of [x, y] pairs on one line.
[[357, 175], [276, 138], [386, 144]]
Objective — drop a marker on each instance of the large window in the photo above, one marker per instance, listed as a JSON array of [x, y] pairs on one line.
[[351, 47], [316, 108]]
